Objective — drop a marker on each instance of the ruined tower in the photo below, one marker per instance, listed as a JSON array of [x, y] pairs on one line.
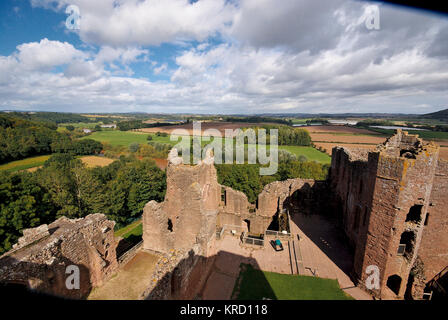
[[187, 217], [383, 198]]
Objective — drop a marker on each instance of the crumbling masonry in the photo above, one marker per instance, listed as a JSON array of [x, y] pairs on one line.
[[390, 204], [41, 258]]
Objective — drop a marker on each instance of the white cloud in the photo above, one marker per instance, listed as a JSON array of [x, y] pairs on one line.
[[123, 55], [136, 22], [297, 56], [47, 54]]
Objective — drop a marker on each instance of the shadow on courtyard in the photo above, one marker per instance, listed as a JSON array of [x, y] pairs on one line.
[[311, 211], [223, 276]]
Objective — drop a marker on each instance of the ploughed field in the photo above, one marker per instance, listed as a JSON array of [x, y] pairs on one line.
[[95, 161], [328, 137]]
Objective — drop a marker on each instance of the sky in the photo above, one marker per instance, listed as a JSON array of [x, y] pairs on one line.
[[222, 57]]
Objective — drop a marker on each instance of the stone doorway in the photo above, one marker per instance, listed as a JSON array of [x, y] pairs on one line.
[[246, 226]]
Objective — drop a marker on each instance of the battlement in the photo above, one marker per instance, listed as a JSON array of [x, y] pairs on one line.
[[406, 145]]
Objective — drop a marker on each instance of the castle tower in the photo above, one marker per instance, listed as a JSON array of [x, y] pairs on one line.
[[187, 217], [384, 197]]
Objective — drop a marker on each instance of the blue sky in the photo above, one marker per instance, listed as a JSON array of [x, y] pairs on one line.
[[220, 56]]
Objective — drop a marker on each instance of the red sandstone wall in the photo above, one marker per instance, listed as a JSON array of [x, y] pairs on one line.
[[352, 181], [190, 208], [88, 243], [374, 192], [400, 184], [434, 245]]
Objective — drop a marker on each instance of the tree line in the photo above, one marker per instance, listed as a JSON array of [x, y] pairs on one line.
[[52, 117], [258, 119], [21, 138], [287, 136]]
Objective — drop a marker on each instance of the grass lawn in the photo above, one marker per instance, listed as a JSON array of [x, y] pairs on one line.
[[132, 233], [135, 228], [255, 284], [136, 232], [24, 164]]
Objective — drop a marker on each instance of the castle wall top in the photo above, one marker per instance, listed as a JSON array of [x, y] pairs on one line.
[[406, 145], [400, 145], [34, 239]]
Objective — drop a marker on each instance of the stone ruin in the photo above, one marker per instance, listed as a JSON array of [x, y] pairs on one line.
[[391, 203], [40, 258], [388, 202]]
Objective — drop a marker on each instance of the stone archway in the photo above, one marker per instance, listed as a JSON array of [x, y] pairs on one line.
[[246, 225]]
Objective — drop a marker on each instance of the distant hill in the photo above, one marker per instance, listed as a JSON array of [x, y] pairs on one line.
[[439, 115]]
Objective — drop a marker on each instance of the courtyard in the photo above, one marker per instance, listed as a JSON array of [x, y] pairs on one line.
[[314, 251], [130, 282]]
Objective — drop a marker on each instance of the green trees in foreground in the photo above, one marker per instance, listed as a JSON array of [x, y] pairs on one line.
[[246, 177], [65, 187]]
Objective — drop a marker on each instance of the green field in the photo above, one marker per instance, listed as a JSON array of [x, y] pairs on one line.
[[253, 284], [309, 152], [299, 121], [118, 138], [24, 164], [125, 138]]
